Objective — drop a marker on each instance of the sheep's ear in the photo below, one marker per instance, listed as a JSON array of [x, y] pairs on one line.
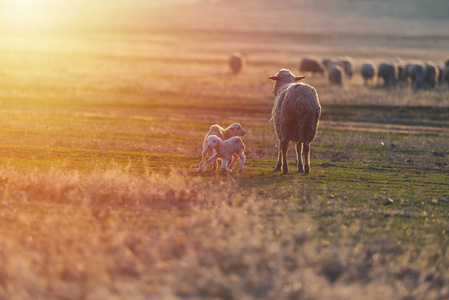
[[298, 78], [273, 77]]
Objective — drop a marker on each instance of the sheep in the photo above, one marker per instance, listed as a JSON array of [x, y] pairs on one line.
[[441, 67], [295, 116], [224, 150], [430, 75], [417, 74], [236, 62], [368, 71], [346, 63], [310, 65], [232, 130], [446, 75], [388, 72], [328, 62], [335, 75]]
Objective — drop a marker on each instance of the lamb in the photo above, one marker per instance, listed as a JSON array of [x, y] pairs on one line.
[[368, 71], [236, 62], [224, 150], [335, 75], [233, 130], [295, 115], [310, 65]]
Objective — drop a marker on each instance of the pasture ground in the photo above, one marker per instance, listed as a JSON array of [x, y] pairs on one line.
[[101, 136]]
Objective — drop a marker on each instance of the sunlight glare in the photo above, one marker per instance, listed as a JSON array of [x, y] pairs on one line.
[[27, 13]]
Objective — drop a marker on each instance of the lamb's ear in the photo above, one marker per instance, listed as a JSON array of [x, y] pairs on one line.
[[298, 78], [273, 77]]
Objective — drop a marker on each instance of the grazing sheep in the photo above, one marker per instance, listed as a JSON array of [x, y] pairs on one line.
[[347, 64], [368, 71], [310, 65], [335, 74], [236, 62], [417, 74], [224, 150], [388, 72], [225, 134], [446, 75], [440, 66], [328, 62], [295, 115], [430, 75]]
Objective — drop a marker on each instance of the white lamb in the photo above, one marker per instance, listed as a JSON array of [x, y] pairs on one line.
[[224, 150], [224, 134]]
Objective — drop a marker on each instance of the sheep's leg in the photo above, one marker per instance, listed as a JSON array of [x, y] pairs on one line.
[[206, 150], [299, 157], [233, 161], [224, 165], [242, 161], [210, 160], [279, 163], [214, 165], [284, 147], [306, 153]]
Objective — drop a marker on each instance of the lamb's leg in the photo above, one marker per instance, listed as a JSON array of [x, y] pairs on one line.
[[214, 165], [224, 166], [284, 147], [279, 163], [242, 161], [233, 161], [204, 154], [306, 153], [299, 157], [210, 160]]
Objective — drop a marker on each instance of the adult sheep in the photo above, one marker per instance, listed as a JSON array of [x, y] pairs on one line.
[[347, 64], [295, 115], [310, 65], [368, 71], [335, 75], [236, 62], [388, 72], [430, 75], [417, 74]]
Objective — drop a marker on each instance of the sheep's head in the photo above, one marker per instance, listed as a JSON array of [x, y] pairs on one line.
[[236, 130], [212, 141], [282, 78]]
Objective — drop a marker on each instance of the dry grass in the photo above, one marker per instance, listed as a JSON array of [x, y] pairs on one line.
[[114, 234]]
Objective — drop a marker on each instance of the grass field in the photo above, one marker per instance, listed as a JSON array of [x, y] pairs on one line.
[[102, 126]]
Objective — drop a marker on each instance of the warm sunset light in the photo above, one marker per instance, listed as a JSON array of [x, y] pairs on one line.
[[26, 13]]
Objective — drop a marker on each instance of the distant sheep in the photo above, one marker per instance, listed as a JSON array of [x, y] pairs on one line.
[[236, 62], [225, 134], [295, 115], [446, 75], [310, 65], [328, 62], [335, 75], [388, 72], [224, 150], [441, 67], [430, 75], [347, 65], [368, 71], [417, 74]]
